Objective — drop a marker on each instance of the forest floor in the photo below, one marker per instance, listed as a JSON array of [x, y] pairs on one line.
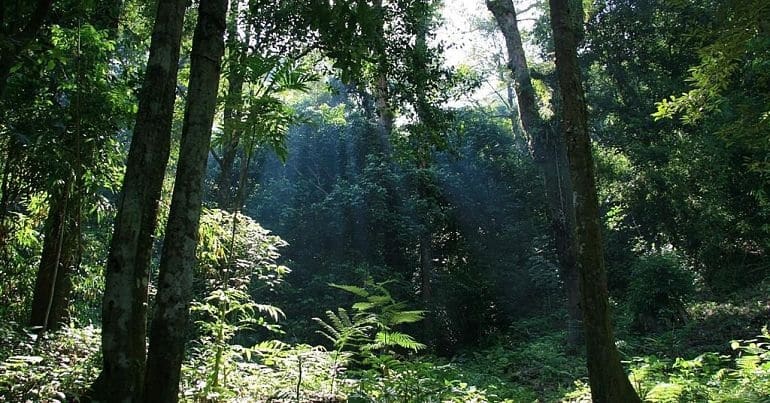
[[713, 356]]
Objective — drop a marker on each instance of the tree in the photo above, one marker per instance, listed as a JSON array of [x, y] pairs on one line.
[[14, 39], [642, 52], [426, 135], [608, 380], [124, 307], [265, 54], [233, 108], [175, 278], [69, 193], [382, 95], [549, 150]]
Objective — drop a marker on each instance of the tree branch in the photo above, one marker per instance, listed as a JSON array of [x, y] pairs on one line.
[[217, 158]]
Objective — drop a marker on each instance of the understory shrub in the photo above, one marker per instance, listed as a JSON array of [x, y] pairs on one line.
[[660, 286], [51, 367], [743, 376]]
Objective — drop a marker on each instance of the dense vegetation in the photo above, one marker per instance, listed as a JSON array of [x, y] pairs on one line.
[[262, 200]]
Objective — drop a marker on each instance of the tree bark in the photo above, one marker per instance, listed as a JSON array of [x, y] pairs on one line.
[[167, 334], [608, 380], [59, 258], [426, 267], [232, 115], [381, 90], [62, 249], [424, 177], [548, 150], [124, 307]]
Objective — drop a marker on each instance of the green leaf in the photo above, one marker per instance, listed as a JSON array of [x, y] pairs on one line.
[[351, 289], [406, 317], [396, 339]]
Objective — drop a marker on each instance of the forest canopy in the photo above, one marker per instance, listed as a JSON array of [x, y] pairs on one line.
[[385, 200]]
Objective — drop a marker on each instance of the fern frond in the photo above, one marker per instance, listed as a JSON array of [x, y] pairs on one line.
[[358, 291], [332, 334], [405, 317], [395, 339], [363, 306], [270, 346], [274, 312], [329, 337], [379, 300], [338, 321], [344, 318]]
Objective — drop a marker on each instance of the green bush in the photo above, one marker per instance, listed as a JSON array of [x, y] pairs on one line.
[[660, 286], [21, 243], [52, 367], [237, 260], [709, 377]]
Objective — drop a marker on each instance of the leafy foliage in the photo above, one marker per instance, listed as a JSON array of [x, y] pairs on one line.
[[55, 366], [238, 257], [659, 288], [678, 94], [370, 330], [744, 376], [17, 254]]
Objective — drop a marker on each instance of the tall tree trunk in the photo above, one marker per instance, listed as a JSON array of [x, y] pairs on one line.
[[167, 334], [382, 103], [426, 266], [548, 150], [561, 211], [124, 307], [425, 180], [609, 383], [381, 90], [62, 249], [232, 113], [59, 258], [5, 197]]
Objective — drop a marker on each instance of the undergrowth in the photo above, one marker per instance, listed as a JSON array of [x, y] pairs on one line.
[[52, 367], [59, 367]]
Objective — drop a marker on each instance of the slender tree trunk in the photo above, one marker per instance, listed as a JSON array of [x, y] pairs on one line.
[[124, 307], [425, 181], [59, 258], [548, 150], [426, 267], [167, 334], [232, 113], [381, 90], [561, 211], [62, 249], [382, 103], [5, 197], [380, 100], [609, 383]]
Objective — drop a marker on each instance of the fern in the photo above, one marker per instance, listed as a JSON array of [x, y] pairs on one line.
[[665, 393], [370, 329], [363, 306], [342, 331], [274, 312], [358, 291], [399, 317], [386, 339]]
